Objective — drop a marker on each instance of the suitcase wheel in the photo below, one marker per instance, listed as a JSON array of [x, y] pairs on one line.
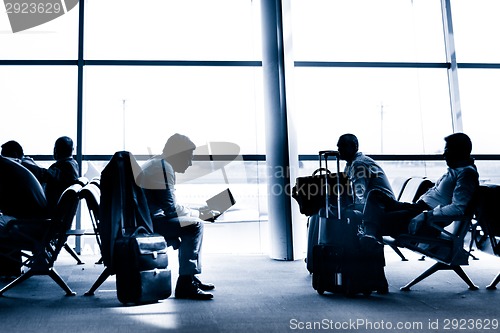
[[321, 292]]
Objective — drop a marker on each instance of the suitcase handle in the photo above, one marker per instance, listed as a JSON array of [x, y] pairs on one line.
[[140, 229], [326, 154], [321, 170]]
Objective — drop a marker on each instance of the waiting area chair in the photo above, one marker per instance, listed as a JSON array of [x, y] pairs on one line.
[[76, 232], [447, 250], [91, 194], [116, 203], [119, 204], [41, 240], [488, 220], [407, 190]]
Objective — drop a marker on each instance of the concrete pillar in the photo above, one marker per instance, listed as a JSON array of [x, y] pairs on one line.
[[281, 152]]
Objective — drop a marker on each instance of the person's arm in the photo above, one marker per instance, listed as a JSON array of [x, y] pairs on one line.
[[64, 172], [38, 171], [466, 185], [359, 180], [168, 200]]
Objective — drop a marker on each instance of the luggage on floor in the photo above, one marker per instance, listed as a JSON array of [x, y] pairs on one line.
[[342, 266], [312, 239], [339, 264], [141, 264]]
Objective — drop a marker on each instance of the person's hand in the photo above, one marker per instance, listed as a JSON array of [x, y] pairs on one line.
[[208, 215], [352, 212]]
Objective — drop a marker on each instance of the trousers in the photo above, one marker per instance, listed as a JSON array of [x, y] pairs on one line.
[[191, 236], [383, 215]]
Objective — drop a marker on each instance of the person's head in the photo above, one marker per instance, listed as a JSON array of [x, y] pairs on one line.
[[63, 148], [458, 148], [178, 151], [12, 149], [348, 146]]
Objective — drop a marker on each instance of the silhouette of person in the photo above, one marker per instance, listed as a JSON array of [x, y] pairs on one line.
[[14, 150], [363, 172], [171, 219], [61, 174], [447, 199], [21, 195]]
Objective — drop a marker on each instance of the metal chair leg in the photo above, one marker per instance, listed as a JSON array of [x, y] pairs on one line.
[[437, 267], [100, 280], [493, 284], [73, 254]]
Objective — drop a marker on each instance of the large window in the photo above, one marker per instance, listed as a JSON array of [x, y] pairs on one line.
[[481, 108], [172, 29], [476, 30], [372, 68], [391, 110], [476, 27], [137, 108], [367, 30], [37, 106], [40, 37]]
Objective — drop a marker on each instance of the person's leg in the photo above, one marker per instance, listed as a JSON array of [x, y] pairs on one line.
[[189, 251], [377, 205], [384, 215], [191, 236]]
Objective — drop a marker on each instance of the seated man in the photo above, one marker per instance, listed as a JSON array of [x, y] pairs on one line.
[[61, 174], [363, 172], [448, 199], [14, 150], [365, 176], [21, 195], [171, 219]]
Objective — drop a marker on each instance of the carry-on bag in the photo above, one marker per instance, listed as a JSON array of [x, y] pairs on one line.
[[309, 191], [339, 264], [141, 265]]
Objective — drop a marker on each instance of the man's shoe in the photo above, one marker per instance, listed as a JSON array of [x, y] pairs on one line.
[[187, 288], [203, 286], [192, 293]]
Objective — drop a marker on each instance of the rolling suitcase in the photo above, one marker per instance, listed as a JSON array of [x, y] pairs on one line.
[[339, 185], [339, 264], [141, 264]]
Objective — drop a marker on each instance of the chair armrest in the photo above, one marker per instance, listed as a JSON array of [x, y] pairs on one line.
[[27, 222], [28, 229]]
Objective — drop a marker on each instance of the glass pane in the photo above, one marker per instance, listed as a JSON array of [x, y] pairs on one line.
[[367, 30], [476, 27], [49, 31], [480, 108], [138, 108], [38, 105], [392, 111], [172, 29]]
